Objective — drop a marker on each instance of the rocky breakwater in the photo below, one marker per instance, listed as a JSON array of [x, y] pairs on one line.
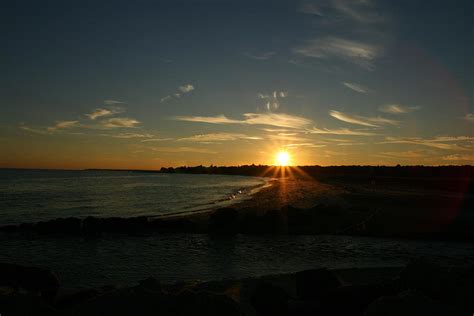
[[421, 288]]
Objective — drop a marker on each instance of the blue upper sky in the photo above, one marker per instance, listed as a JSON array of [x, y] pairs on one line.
[[152, 83]]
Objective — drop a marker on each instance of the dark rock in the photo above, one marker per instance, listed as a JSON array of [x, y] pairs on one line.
[[270, 300], [409, 303], [75, 298], [66, 226], [25, 305], [426, 277], [128, 301], [205, 304], [271, 222], [174, 225], [151, 284], [354, 299], [32, 279], [92, 225], [224, 221], [312, 284]]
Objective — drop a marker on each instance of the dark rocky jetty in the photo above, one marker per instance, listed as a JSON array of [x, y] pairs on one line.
[[421, 288]]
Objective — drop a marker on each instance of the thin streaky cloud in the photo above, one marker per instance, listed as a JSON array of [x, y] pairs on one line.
[[269, 119], [445, 142], [398, 109], [63, 125], [131, 135], [33, 130], [359, 11], [262, 56], [214, 137], [310, 8], [360, 53], [469, 117], [361, 120], [219, 119], [156, 140], [457, 157], [112, 102], [305, 145], [101, 112], [120, 122], [183, 150], [341, 131], [165, 99], [356, 87]]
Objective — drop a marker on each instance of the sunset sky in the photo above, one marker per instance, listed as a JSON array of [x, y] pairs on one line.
[[145, 84]]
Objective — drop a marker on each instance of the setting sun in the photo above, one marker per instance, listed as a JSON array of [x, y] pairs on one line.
[[283, 158]]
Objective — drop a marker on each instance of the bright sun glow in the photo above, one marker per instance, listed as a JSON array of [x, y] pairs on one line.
[[283, 158]]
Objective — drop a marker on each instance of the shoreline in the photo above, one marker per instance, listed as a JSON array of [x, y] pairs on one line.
[[304, 205]]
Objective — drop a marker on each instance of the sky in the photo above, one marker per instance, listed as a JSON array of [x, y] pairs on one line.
[[150, 84]]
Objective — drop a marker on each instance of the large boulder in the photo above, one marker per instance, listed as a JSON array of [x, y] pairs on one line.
[[63, 226], [224, 221], [31, 279], [426, 277], [204, 303], [270, 300], [25, 305], [354, 299], [124, 302], [313, 284], [410, 303], [269, 222]]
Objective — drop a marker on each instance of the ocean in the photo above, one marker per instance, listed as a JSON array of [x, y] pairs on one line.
[[34, 195], [39, 195]]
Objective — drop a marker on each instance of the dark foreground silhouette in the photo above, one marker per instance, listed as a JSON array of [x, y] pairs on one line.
[[421, 288]]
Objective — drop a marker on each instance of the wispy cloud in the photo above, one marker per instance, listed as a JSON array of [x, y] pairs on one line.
[[186, 88], [469, 117], [156, 140], [272, 100], [63, 125], [440, 142], [340, 131], [183, 150], [467, 158], [356, 87], [305, 145], [216, 137], [356, 52], [33, 130], [398, 109], [269, 119], [361, 11], [101, 112], [112, 102], [262, 56], [165, 99], [403, 154], [120, 122], [362, 120], [131, 135], [311, 8]]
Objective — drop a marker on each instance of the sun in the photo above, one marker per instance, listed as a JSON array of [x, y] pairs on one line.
[[283, 158]]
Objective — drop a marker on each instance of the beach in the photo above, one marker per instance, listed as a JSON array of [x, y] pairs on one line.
[[350, 237]]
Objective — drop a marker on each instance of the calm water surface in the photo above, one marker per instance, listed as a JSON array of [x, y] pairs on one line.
[[36, 195]]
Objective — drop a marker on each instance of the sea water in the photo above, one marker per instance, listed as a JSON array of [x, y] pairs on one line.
[[38, 195]]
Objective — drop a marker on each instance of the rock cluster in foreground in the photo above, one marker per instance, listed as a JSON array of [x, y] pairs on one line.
[[421, 288]]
